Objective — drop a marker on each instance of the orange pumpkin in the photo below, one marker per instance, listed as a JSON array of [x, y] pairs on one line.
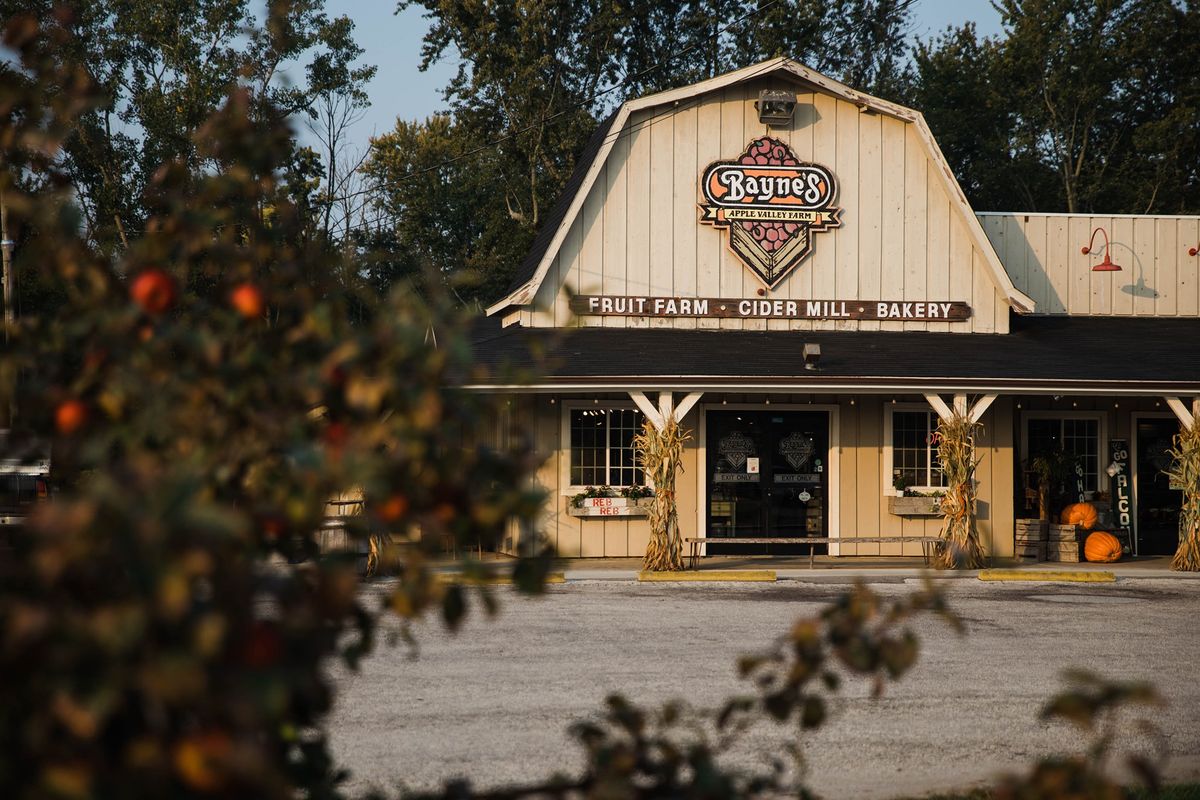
[[1082, 514], [1103, 547]]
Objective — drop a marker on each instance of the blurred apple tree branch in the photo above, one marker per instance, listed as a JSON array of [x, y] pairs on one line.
[[205, 394]]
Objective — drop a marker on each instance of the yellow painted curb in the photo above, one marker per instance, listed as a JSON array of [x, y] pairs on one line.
[[728, 575], [493, 580], [1065, 576]]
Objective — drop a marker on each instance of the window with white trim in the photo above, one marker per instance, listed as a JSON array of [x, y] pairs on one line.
[[1078, 437], [602, 451], [914, 459]]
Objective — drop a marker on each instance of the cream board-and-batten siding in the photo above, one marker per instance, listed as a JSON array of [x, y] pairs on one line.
[[630, 229], [1158, 277], [906, 233]]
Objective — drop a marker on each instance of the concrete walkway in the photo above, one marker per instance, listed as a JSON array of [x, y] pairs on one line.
[[847, 569]]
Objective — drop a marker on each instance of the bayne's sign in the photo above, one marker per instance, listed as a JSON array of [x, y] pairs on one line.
[[770, 203], [643, 306]]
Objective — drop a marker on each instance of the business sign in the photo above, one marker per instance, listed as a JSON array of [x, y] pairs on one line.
[[771, 204], [745, 308], [1118, 450]]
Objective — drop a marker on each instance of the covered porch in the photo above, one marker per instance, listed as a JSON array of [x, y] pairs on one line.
[[863, 404]]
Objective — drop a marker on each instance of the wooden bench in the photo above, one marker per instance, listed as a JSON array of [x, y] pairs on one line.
[[694, 543]]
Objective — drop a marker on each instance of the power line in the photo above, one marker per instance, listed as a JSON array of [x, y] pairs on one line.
[[626, 80]]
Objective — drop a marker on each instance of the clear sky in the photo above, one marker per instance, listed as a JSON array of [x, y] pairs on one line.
[[400, 89]]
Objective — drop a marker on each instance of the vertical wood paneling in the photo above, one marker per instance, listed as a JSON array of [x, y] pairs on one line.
[[637, 214], [1037, 235], [960, 258], [733, 117], [1188, 272], [1103, 283], [1003, 473], [1122, 248], [616, 537], [938, 248], [845, 238], [1143, 278], [615, 213], [1059, 264], [1166, 261], [892, 222], [850, 478], [1079, 272], [916, 222], [590, 271], [983, 296], [870, 207], [662, 210], [709, 241], [824, 264], [902, 236], [868, 458], [684, 214]]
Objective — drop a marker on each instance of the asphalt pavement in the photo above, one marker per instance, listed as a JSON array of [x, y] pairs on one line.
[[493, 703]]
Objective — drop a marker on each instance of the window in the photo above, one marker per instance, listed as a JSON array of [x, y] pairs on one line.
[[914, 455], [602, 452], [1078, 437]]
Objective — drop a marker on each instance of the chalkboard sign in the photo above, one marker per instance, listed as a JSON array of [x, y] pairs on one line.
[[1118, 450]]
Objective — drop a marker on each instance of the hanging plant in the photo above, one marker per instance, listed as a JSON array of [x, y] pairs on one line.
[[661, 454], [955, 439], [1185, 473]]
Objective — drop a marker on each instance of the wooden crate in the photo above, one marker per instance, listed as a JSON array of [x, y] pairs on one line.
[[1033, 529], [1064, 533], [1063, 551], [1031, 549]]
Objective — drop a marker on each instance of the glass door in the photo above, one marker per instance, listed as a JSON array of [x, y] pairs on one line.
[[1158, 503], [767, 477]]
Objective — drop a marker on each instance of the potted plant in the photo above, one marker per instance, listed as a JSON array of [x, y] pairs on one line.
[[1052, 471]]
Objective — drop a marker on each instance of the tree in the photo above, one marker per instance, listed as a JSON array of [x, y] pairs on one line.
[[162, 645], [443, 205], [162, 68], [1081, 107], [953, 83]]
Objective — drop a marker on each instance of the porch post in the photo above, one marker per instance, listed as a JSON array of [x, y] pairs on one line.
[[1186, 416]]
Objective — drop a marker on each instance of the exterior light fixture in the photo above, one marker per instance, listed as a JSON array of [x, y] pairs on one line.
[[812, 355], [775, 106], [1106, 265]]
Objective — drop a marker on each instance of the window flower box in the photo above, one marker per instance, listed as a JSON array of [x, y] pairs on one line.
[[915, 506], [609, 507]]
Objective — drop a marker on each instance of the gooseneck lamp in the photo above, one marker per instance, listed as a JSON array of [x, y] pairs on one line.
[[1106, 265]]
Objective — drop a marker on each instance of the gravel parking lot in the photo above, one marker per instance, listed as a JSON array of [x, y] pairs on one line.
[[493, 703]]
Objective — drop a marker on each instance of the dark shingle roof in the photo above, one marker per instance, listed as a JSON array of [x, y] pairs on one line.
[[558, 211], [1039, 351]]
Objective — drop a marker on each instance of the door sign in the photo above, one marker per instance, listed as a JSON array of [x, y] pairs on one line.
[[736, 447], [797, 449]]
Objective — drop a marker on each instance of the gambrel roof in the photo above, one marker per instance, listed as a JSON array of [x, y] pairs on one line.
[[535, 267]]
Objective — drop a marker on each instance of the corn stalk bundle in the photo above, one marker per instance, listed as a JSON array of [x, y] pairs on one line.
[[956, 452], [660, 452], [1185, 472]]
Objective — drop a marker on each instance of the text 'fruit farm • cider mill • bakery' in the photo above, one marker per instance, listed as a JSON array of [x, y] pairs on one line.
[[801, 283]]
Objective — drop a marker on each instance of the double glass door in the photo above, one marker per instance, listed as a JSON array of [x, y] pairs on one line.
[[1158, 503], [768, 476]]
